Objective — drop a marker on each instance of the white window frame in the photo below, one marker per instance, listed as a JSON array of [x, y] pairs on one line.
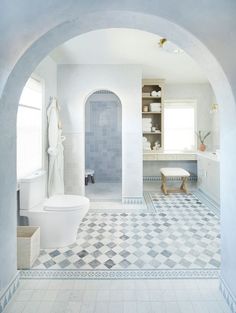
[[44, 118], [182, 103]]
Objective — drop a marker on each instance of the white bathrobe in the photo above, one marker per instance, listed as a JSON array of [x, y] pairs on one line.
[[55, 151]]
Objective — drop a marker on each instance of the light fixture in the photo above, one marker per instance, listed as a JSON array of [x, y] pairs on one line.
[[162, 41], [214, 108], [168, 46]]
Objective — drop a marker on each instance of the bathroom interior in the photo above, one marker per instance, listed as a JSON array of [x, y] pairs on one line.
[[91, 178]]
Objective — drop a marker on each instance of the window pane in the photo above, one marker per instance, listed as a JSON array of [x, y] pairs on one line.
[[32, 94], [179, 127], [29, 135]]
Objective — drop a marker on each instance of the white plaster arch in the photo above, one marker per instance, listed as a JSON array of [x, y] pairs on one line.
[[115, 19], [42, 45], [91, 92]]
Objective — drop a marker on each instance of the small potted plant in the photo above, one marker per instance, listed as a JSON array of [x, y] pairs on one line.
[[202, 137]]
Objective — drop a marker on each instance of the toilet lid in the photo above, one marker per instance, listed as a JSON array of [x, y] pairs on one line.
[[65, 202]]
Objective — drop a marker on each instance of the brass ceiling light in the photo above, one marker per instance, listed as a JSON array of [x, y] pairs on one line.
[[162, 41], [168, 46]]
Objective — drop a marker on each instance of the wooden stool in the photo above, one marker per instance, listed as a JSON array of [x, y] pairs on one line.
[[174, 172], [89, 174]]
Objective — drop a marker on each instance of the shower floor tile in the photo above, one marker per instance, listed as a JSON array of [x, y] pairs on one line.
[[180, 232]]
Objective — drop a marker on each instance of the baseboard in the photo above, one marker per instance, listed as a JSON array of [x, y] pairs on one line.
[[208, 201], [229, 298], [8, 292], [158, 178], [132, 200]]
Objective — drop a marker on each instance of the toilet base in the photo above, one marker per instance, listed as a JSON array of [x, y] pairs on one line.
[[57, 229]]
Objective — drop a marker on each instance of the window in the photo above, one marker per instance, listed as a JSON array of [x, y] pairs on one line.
[[29, 129], [179, 125]]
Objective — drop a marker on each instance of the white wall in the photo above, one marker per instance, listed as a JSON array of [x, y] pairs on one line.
[[47, 70], [215, 126], [75, 84]]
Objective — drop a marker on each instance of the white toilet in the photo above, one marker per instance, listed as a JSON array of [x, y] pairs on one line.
[[59, 216]]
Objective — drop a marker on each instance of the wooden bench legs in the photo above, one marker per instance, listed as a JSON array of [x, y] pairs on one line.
[[163, 185], [183, 186]]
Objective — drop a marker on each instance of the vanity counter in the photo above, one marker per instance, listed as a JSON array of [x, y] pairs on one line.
[[169, 156], [209, 155]]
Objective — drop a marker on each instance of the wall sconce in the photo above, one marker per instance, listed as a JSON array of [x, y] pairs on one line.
[[214, 108]]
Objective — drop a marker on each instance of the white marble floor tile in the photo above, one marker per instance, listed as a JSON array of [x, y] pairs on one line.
[[73, 307], [138, 296], [186, 307], [24, 295], [15, 306], [50, 295], [32, 307], [130, 307], [144, 307], [101, 307], [158, 306], [103, 295], [172, 307], [116, 307], [87, 307]]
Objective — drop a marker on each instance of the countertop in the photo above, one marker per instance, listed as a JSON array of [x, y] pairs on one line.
[[181, 155], [209, 155]]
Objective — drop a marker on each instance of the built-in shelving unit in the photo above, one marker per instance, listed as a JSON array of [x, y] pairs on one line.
[[152, 115]]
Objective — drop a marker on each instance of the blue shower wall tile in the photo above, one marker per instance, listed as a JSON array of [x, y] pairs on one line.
[[103, 140]]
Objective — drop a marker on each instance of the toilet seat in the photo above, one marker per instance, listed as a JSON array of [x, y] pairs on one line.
[[65, 203]]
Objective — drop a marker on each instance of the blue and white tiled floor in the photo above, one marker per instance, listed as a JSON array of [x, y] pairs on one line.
[[174, 232]]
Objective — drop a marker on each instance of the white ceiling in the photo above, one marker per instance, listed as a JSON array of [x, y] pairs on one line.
[[129, 46]]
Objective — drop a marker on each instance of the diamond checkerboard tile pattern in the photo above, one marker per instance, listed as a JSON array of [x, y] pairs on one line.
[[180, 233]]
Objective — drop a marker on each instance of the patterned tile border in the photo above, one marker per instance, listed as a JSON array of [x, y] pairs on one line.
[[132, 200], [229, 298], [148, 201], [8, 292], [210, 203], [158, 178], [119, 274]]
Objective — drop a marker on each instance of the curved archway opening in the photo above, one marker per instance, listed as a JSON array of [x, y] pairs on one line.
[[103, 146], [40, 48]]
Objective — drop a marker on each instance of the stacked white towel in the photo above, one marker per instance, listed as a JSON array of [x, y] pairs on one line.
[[155, 107], [146, 144], [147, 124]]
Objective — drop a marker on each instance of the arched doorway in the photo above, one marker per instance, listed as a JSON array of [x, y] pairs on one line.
[[66, 29], [103, 146]]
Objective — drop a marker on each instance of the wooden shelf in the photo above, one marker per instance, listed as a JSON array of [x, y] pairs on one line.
[[150, 97], [151, 112]]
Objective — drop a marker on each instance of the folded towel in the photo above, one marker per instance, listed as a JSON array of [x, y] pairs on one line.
[[146, 119]]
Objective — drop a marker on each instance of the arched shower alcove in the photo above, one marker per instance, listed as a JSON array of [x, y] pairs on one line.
[[103, 145], [182, 29]]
